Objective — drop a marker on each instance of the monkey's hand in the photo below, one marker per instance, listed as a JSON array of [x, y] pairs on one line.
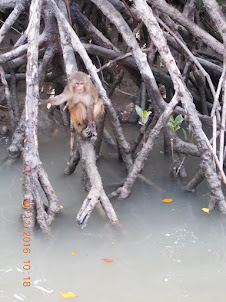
[[42, 101], [90, 131], [45, 101]]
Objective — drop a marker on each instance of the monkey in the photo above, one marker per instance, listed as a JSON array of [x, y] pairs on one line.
[[84, 104]]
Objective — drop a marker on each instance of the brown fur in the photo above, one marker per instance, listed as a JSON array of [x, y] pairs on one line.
[[84, 104]]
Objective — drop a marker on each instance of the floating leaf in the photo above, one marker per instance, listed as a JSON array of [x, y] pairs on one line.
[[113, 243], [107, 260], [21, 179], [206, 210], [73, 253], [167, 200], [68, 295], [61, 207]]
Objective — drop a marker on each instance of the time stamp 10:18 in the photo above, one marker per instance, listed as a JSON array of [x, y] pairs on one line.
[[26, 245]]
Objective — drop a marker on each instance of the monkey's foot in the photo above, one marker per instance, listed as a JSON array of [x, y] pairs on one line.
[[89, 131]]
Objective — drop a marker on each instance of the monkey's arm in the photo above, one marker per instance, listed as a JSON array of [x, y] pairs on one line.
[[59, 99]]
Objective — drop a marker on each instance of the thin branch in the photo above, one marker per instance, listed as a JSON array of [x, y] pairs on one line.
[[121, 57], [219, 87], [19, 7], [222, 131], [8, 97], [209, 40], [17, 31], [190, 54]]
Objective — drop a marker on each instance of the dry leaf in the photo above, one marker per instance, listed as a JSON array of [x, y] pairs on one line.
[[73, 253], [68, 295], [206, 210], [167, 200], [107, 260]]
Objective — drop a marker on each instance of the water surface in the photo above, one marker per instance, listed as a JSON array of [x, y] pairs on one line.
[[163, 251]]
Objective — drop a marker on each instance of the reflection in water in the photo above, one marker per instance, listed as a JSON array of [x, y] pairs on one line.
[[163, 252], [44, 290]]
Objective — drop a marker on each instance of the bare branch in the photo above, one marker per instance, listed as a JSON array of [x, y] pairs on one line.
[[192, 27]]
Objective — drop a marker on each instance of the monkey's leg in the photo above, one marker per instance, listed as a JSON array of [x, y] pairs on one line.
[[98, 111], [72, 139], [90, 129]]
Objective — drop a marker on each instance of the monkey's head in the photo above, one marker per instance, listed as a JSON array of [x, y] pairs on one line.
[[79, 82]]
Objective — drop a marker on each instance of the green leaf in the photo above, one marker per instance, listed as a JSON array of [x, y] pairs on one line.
[[176, 128], [139, 111], [146, 118], [171, 119], [171, 124], [179, 119], [199, 5], [144, 113]]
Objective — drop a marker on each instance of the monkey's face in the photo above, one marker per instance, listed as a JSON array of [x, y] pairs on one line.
[[79, 87], [78, 82], [76, 86]]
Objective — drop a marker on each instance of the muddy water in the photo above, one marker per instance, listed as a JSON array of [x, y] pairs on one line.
[[163, 252]]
